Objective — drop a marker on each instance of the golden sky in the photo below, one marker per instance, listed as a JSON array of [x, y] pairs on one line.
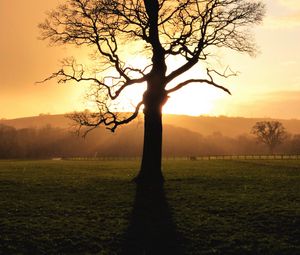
[[267, 86]]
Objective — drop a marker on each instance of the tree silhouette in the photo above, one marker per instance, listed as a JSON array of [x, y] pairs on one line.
[[189, 30], [271, 133]]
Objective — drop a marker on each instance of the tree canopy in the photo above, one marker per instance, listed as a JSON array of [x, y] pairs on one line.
[[271, 133], [159, 30]]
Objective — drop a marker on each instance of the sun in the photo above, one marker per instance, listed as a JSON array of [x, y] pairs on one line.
[[194, 99]]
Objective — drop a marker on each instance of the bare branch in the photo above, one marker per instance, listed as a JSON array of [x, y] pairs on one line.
[[203, 24], [104, 116], [71, 71], [209, 81], [182, 84]]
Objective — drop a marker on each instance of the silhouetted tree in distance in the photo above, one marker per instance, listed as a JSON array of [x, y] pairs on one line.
[[164, 30], [271, 133]]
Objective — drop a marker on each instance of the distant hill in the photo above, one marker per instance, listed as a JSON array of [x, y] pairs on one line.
[[48, 136], [38, 121], [204, 125], [228, 126]]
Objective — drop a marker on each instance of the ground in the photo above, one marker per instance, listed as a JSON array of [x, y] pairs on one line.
[[206, 207]]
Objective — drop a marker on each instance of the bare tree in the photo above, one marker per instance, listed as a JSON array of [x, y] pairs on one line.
[[189, 30], [270, 133]]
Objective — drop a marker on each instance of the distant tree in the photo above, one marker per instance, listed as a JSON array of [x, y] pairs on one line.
[[166, 30], [271, 133]]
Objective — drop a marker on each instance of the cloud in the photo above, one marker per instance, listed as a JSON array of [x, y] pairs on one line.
[[282, 14], [283, 95], [283, 21], [289, 63], [279, 104], [293, 4]]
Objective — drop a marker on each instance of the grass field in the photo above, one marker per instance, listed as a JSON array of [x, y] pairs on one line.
[[206, 207]]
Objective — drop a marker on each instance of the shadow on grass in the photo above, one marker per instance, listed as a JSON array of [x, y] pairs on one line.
[[151, 229]]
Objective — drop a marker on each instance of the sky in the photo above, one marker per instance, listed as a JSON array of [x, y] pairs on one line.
[[267, 85]]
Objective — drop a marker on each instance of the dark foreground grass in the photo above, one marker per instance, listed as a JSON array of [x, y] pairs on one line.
[[206, 207]]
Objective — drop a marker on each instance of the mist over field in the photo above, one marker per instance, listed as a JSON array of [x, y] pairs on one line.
[[48, 136]]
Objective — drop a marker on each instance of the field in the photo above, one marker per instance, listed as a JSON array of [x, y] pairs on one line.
[[206, 207]]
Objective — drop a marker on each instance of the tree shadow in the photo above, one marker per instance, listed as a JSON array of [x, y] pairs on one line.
[[151, 229]]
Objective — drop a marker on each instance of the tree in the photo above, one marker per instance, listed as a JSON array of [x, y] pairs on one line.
[[271, 133], [161, 31]]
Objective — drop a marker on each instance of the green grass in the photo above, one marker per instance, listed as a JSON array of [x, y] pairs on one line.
[[90, 207]]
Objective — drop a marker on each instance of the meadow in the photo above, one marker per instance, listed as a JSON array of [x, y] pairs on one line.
[[205, 207]]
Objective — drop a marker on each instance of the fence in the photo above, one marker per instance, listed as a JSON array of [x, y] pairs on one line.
[[246, 157], [194, 158]]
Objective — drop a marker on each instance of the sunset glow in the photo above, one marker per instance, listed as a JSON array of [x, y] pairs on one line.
[[193, 101], [269, 81]]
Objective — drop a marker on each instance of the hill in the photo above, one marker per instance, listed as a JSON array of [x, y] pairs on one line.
[[38, 121], [227, 126], [49, 136], [204, 125]]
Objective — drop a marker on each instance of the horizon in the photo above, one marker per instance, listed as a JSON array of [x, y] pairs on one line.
[[164, 114]]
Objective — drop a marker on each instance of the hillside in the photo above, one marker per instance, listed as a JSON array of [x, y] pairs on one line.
[[49, 136], [228, 126], [204, 125], [38, 121]]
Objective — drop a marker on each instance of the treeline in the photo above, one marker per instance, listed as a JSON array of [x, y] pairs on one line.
[[36, 143], [50, 142]]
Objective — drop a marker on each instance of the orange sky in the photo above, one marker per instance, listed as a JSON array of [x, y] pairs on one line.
[[268, 85]]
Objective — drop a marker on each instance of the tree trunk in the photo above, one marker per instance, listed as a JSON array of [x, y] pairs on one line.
[[150, 171]]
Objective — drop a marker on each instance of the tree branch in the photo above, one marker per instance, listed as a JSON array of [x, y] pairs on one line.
[[104, 117], [209, 81], [182, 84], [76, 73]]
